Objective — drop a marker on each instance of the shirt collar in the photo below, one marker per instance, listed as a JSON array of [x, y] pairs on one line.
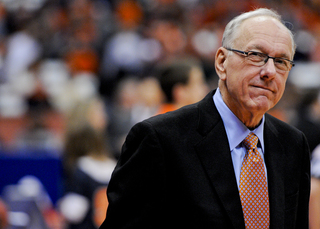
[[236, 130]]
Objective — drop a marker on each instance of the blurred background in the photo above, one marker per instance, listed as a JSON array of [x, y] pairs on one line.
[[75, 75]]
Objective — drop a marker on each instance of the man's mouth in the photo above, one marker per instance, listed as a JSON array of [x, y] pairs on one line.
[[263, 88]]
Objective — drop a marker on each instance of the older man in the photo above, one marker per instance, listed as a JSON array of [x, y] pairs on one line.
[[222, 162]]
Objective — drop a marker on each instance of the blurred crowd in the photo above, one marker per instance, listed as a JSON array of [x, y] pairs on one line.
[[76, 75]]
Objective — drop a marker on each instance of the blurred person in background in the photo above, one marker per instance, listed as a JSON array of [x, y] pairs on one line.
[[89, 175], [122, 52], [177, 83], [22, 49], [88, 163], [90, 112], [125, 99], [150, 97], [169, 32], [182, 82], [135, 100], [37, 137]]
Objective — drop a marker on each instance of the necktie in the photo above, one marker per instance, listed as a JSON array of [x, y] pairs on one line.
[[253, 187]]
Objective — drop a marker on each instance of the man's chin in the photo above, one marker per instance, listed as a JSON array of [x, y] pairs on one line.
[[261, 104]]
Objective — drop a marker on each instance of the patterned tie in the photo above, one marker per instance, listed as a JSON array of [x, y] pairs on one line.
[[253, 187]]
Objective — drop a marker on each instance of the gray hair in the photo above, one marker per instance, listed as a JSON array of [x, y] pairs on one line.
[[232, 28]]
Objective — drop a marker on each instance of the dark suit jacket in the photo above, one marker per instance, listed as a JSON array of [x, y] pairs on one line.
[[176, 171]]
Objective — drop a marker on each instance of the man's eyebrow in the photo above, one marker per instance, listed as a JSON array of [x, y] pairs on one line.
[[285, 56], [255, 46], [263, 50]]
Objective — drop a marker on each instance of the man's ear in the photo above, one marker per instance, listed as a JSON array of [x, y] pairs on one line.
[[220, 62]]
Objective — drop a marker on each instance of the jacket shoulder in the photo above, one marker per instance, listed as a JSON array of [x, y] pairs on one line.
[[283, 129], [181, 118]]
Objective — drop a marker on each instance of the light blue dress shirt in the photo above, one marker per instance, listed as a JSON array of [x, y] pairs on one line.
[[236, 133]]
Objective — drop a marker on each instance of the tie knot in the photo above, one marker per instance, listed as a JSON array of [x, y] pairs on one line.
[[251, 141]]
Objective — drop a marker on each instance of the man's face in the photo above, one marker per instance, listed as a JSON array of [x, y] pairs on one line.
[[249, 87]]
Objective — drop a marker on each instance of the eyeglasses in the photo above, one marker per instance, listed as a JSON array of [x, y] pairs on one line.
[[260, 59]]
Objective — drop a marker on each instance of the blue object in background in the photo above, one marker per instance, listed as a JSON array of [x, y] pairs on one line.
[[47, 168]]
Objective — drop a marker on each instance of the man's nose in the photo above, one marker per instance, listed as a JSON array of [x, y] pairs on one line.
[[269, 70]]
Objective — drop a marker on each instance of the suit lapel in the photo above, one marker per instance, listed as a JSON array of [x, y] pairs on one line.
[[214, 153], [274, 159]]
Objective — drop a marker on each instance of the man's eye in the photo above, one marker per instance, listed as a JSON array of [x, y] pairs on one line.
[[255, 56], [280, 61]]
